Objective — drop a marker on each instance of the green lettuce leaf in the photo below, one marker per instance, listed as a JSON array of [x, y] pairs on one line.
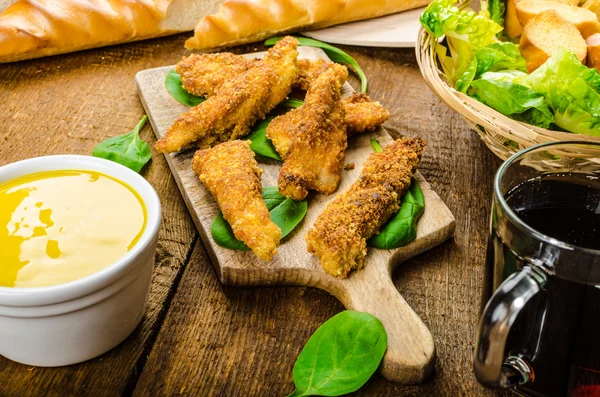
[[465, 31], [571, 90], [495, 57], [500, 92], [495, 9]]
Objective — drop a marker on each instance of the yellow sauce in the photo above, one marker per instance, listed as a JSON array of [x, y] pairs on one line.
[[59, 226]]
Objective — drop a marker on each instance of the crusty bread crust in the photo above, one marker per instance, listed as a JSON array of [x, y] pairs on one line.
[[244, 21], [512, 26], [593, 51], [585, 20], [544, 34], [32, 29]]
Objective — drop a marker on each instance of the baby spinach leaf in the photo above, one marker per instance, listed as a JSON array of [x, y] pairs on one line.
[[128, 150], [334, 53], [223, 235], [291, 103], [173, 84], [375, 145], [272, 197], [285, 213], [402, 228], [340, 356], [260, 144]]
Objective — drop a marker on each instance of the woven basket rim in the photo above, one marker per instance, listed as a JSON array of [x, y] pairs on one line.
[[503, 135]]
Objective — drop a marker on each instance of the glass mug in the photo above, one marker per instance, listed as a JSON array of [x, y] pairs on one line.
[[539, 332]]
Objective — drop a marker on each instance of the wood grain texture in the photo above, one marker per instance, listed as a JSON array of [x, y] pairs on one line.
[[410, 353], [69, 104], [230, 341]]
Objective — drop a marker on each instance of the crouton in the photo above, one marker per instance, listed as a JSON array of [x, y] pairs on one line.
[[593, 51], [593, 6], [544, 34], [585, 20], [512, 27]]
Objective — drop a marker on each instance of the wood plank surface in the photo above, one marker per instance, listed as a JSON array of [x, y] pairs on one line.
[[200, 337]]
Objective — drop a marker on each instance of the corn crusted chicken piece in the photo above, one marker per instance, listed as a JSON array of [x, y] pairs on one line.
[[204, 74], [308, 71], [362, 114], [239, 103], [231, 173], [318, 138], [340, 233]]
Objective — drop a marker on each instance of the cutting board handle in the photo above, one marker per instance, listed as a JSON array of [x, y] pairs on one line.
[[410, 354]]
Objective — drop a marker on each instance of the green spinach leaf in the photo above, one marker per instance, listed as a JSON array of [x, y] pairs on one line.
[[334, 53], [285, 213], [173, 84], [340, 356], [375, 145], [402, 228], [260, 144], [291, 103], [128, 150]]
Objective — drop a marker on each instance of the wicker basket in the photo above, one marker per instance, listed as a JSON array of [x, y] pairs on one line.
[[503, 135]]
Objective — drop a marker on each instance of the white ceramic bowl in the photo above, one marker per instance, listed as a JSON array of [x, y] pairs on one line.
[[76, 321]]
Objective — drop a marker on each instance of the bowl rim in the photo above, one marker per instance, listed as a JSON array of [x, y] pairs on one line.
[[512, 215], [48, 295]]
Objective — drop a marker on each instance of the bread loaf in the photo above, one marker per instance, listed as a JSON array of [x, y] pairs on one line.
[[31, 29], [544, 34], [244, 21]]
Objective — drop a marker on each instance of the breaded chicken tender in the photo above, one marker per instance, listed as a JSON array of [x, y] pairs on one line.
[[232, 175], [340, 233], [204, 74], [239, 103], [362, 114], [318, 138], [308, 71]]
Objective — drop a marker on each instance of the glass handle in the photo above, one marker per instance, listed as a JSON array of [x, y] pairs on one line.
[[491, 367]]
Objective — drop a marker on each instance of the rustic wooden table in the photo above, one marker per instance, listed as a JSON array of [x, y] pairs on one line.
[[198, 337]]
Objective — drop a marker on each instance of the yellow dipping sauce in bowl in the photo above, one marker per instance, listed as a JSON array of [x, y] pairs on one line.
[[60, 226]]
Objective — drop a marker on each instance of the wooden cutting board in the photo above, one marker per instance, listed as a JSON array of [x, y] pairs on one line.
[[411, 352]]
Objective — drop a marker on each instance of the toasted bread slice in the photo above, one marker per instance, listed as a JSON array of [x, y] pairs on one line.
[[593, 51], [573, 3], [585, 20], [512, 26], [544, 34], [593, 6]]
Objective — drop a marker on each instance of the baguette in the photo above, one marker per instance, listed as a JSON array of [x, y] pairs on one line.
[[244, 21], [544, 34], [32, 29], [585, 20]]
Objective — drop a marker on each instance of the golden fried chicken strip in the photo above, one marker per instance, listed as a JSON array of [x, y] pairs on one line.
[[239, 103], [204, 74], [231, 173], [318, 138], [362, 114], [308, 71], [340, 233]]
